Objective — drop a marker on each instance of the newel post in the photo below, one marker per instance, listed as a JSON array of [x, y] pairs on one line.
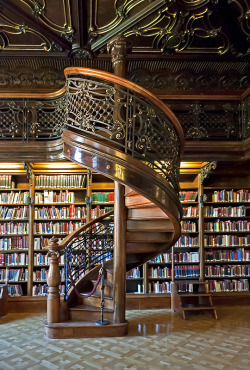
[[53, 281]]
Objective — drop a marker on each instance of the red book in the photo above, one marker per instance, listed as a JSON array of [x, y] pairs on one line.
[[72, 211]]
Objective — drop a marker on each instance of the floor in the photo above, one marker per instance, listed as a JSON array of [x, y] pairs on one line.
[[157, 339]]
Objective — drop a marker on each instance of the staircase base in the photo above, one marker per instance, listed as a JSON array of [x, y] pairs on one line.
[[84, 329]]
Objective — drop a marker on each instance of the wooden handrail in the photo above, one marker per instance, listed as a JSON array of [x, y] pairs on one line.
[[63, 244], [136, 88]]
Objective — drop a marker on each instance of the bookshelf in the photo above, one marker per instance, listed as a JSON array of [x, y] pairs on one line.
[[53, 201], [227, 238], [14, 231]]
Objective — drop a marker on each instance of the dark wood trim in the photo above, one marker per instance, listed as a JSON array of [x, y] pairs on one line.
[[218, 97]]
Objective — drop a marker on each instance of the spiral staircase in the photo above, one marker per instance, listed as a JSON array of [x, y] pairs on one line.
[[119, 129]]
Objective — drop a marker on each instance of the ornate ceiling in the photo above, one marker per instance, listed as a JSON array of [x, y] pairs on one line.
[[72, 28]]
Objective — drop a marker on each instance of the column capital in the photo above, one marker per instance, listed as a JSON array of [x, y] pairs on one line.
[[118, 48]]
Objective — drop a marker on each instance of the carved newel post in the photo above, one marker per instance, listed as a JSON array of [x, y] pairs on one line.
[[53, 281]]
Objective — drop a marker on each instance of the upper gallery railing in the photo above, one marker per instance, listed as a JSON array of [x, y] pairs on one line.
[[122, 114]]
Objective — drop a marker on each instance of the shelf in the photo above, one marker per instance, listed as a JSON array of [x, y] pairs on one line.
[[191, 202], [186, 278], [222, 202], [184, 248], [225, 217], [159, 278], [13, 219], [59, 189], [189, 232], [227, 232], [60, 204], [102, 203], [227, 247], [186, 263], [60, 219], [13, 189], [228, 277], [7, 235], [16, 282], [9, 251], [18, 266], [64, 234], [159, 263], [13, 204], [226, 262], [128, 278]]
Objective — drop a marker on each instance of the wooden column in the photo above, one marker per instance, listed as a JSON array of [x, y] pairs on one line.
[[31, 234], [53, 281], [118, 49], [119, 265], [201, 229]]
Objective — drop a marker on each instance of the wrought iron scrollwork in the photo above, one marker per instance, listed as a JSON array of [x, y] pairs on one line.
[[88, 250], [126, 119]]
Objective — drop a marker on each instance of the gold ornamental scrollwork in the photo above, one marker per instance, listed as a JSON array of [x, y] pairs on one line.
[[205, 170]]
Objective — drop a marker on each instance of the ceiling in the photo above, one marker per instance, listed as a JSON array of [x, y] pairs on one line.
[[156, 28]]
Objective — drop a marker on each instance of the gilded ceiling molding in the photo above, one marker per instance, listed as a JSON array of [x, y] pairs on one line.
[[243, 8]]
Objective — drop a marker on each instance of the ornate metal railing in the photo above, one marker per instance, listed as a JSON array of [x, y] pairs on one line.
[[123, 117], [87, 250], [31, 119]]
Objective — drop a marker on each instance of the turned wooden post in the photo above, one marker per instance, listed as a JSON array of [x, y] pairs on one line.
[[118, 48], [53, 281]]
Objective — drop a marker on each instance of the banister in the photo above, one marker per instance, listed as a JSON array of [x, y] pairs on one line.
[[71, 236], [136, 88]]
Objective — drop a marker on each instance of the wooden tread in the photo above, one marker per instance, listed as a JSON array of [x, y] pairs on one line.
[[194, 306]]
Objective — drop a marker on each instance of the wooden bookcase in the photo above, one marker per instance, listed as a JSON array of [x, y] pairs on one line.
[[192, 254], [55, 203]]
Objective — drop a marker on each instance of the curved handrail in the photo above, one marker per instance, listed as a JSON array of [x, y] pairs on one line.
[[75, 233], [136, 88]]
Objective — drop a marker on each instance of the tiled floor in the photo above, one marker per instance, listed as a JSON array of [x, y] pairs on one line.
[[157, 339]]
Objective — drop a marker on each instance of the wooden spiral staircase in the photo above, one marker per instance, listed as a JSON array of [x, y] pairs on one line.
[[117, 128]]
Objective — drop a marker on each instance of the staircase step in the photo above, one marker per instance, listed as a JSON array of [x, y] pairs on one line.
[[86, 312], [150, 225], [143, 213], [95, 300], [84, 329], [149, 237], [196, 307], [108, 288]]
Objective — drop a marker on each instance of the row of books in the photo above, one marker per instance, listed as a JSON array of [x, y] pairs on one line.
[[242, 195], [160, 272], [185, 288], [241, 285], [19, 228], [187, 257], [162, 258], [57, 213], [188, 226], [186, 271], [56, 228], [159, 287], [14, 213], [14, 275], [228, 255], [223, 226], [60, 181], [211, 211], [14, 259], [226, 240], [187, 242], [134, 273], [190, 212], [53, 197], [103, 197], [14, 197], [7, 182], [42, 290], [15, 242], [227, 270], [41, 275], [188, 196], [43, 259], [15, 290], [98, 211]]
